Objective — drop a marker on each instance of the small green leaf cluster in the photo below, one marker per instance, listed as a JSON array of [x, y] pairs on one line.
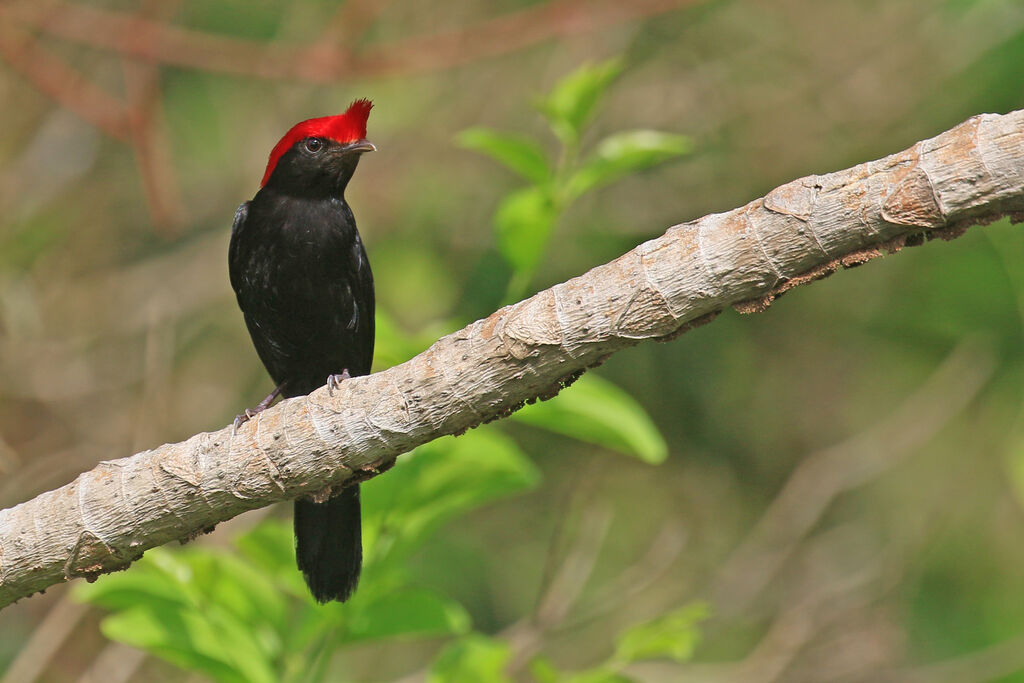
[[526, 217]]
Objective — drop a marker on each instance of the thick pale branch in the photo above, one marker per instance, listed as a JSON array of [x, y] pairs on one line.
[[799, 232]]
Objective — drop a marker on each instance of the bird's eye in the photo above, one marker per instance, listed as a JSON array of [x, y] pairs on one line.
[[314, 145]]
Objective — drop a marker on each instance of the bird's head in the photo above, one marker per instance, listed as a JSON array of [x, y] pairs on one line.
[[318, 156]]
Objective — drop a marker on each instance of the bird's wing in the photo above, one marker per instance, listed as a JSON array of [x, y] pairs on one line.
[[240, 213]]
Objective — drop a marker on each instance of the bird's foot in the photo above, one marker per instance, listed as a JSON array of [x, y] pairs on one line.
[[334, 381], [253, 412], [242, 418]]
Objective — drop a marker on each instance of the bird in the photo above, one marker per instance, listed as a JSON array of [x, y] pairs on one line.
[[303, 281]]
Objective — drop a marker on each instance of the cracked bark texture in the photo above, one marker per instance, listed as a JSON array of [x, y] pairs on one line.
[[799, 232]]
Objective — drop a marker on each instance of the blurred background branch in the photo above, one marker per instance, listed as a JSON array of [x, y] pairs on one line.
[[339, 53]]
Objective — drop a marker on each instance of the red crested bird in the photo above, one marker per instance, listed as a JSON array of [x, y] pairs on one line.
[[304, 285]]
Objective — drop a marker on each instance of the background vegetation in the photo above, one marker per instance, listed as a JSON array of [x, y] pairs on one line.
[[841, 480]]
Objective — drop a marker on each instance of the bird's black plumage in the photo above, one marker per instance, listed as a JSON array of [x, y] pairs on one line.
[[303, 282]]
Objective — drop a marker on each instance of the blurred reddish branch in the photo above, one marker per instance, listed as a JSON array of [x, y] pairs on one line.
[[346, 27], [146, 40], [149, 133], [143, 38], [59, 81], [557, 19]]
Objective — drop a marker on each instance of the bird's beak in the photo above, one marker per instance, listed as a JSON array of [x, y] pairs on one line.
[[360, 146]]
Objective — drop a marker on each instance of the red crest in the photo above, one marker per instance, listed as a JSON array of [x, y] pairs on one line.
[[343, 128]]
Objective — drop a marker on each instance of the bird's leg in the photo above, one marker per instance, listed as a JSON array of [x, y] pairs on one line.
[[334, 381], [260, 407]]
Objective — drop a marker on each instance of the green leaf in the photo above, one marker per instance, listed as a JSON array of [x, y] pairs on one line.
[[472, 659], [517, 152], [235, 586], [218, 646], [571, 102], [141, 585], [408, 612], [544, 671], [523, 223], [270, 547], [165, 634], [674, 635], [160, 577], [437, 482], [596, 411], [624, 153], [201, 609]]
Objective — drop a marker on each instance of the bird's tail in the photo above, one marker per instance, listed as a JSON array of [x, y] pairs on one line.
[[329, 544]]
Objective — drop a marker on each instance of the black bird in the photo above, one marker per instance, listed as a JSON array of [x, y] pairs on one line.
[[303, 282]]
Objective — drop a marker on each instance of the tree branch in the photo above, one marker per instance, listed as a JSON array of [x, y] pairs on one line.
[[799, 232]]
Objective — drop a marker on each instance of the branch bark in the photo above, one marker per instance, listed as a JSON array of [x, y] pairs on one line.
[[797, 233]]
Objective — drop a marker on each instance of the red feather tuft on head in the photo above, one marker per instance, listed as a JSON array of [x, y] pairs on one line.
[[347, 127]]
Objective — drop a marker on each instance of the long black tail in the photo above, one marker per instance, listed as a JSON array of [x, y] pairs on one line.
[[329, 544]]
